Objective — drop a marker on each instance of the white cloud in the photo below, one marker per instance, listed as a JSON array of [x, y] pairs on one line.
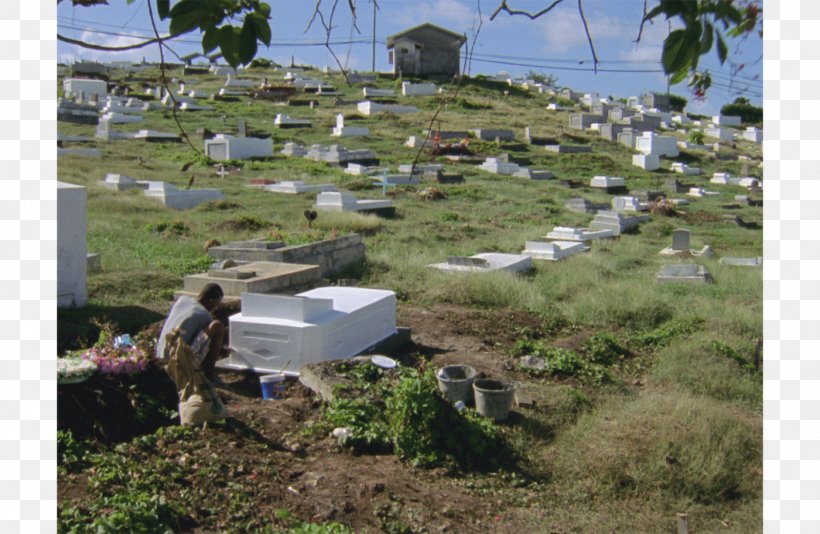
[[451, 14]]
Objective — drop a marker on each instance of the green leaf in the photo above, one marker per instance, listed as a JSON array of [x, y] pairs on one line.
[[183, 23], [247, 42], [679, 76], [229, 44], [163, 8], [722, 49], [263, 9], [185, 6], [262, 27], [676, 51], [707, 38], [210, 40]]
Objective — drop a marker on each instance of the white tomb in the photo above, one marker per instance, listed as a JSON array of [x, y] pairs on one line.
[[283, 121], [72, 258], [726, 120], [293, 149], [298, 186], [224, 147], [348, 131], [485, 262], [416, 141], [237, 82], [89, 88], [181, 199], [368, 108], [421, 168], [606, 182], [721, 178], [700, 192], [499, 167], [660, 145], [556, 107], [358, 169], [683, 168], [372, 91], [118, 182], [749, 182], [753, 134], [189, 106], [647, 162], [275, 333], [418, 89], [553, 250], [120, 118], [628, 204], [336, 201], [719, 132], [568, 233]]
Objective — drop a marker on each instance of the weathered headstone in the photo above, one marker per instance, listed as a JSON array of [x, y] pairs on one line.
[[680, 239]]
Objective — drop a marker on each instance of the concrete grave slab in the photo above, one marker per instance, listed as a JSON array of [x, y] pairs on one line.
[[742, 262], [297, 186], [553, 250], [687, 273], [647, 162], [336, 201], [180, 199], [118, 182], [283, 121], [254, 277], [568, 149], [331, 255], [81, 152], [491, 135], [369, 108], [568, 233], [485, 262]]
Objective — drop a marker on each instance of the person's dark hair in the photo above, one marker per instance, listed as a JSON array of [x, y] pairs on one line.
[[210, 291]]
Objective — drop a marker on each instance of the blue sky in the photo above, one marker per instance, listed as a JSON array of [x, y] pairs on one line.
[[553, 44]]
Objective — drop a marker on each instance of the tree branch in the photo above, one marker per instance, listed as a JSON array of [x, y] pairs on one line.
[[504, 7], [589, 38], [164, 79], [92, 46], [640, 29]]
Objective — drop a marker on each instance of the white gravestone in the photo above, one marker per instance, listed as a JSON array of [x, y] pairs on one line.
[[553, 250], [72, 258]]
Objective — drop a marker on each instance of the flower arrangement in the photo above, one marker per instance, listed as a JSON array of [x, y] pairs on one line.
[[119, 359], [117, 355]]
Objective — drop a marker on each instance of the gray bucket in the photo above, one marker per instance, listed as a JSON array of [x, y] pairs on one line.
[[456, 382], [493, 398]]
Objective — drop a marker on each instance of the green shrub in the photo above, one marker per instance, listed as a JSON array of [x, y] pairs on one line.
[[604, 348], [178, 228]]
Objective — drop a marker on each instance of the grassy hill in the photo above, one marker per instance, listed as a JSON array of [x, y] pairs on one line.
[[671, 425]]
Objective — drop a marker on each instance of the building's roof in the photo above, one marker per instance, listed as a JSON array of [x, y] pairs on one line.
[[429, 34]]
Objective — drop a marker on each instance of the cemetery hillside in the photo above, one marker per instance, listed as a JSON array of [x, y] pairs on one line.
[[498, 305]]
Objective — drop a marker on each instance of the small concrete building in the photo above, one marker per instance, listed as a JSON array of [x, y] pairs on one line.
[[426, 50]]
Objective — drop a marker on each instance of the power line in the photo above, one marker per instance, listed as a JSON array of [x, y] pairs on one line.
[[554, 67], [190, 41]]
